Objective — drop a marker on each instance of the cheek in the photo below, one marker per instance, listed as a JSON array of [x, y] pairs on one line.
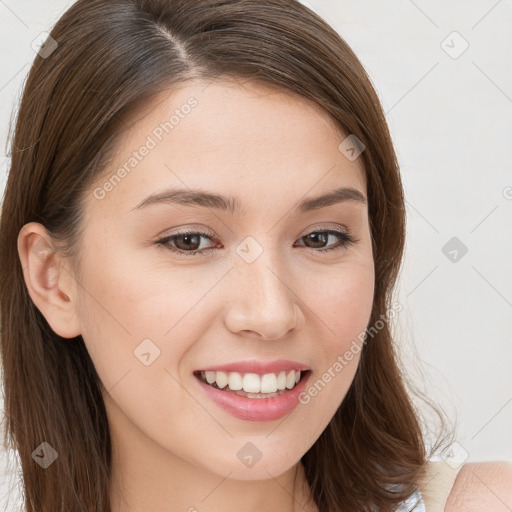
[[343, 302], [342, 307], [128, 301], [132, 298], [136, 333]]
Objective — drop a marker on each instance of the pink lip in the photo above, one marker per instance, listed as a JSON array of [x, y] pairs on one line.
[[256, 409], [259, 367]]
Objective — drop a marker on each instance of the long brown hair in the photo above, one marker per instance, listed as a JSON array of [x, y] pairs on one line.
[[105, 58]]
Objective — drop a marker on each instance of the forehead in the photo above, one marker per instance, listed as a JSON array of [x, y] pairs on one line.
[[242, 138]]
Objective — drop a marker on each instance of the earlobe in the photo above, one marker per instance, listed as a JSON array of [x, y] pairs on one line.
[[50, 284]]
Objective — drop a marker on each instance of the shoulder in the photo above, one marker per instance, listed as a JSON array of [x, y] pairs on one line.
[[482, 486]]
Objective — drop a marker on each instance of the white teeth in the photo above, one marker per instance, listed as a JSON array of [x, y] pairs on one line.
[[221, 378], [235, 381], [281, 380], [252, 382], [269, 383], [290, 379]]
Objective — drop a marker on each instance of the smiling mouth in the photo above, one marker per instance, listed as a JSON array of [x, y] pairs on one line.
[[252, 385]]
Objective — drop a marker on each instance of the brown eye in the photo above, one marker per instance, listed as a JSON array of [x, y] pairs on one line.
[[189, 242], [319, 239], [185, 243]]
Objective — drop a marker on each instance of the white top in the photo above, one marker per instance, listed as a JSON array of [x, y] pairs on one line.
[[433, 491], [413, 503], [436, 486]]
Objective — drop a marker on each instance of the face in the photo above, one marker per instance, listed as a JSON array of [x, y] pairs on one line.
[[170, 287]]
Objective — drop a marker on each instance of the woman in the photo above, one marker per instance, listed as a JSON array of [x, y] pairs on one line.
[[201, 232]]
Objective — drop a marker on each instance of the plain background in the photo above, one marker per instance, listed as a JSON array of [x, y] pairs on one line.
[[440, 69]]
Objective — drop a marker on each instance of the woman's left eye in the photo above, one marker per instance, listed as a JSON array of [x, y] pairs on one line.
[[192, 240]]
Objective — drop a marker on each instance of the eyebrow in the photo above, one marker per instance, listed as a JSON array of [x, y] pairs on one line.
[[189, 197]]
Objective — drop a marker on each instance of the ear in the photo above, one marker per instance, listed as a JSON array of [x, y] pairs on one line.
[[50, 282]]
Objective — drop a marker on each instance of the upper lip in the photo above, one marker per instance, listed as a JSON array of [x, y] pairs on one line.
[[259, 367]]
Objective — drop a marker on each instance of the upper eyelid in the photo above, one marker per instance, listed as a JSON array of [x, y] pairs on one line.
[[205, 232]]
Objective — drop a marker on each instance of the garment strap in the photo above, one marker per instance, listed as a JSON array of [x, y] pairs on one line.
[[437, 484]]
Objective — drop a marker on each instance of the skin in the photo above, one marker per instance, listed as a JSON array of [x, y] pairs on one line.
[[174, 449], [480, 487]]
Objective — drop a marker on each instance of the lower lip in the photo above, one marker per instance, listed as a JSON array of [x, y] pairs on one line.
[[257, 409]]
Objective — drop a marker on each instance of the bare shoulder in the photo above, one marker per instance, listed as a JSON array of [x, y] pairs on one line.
[[482, 486]]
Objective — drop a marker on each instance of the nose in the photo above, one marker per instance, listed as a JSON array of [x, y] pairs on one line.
[[263, 302]]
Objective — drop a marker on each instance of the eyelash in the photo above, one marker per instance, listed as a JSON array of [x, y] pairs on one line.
[[345, 240]]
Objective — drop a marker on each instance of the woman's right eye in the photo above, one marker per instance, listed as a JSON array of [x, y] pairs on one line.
[[192, 238]]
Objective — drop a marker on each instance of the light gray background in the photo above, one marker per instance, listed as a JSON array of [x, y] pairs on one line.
[[451, 120]]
